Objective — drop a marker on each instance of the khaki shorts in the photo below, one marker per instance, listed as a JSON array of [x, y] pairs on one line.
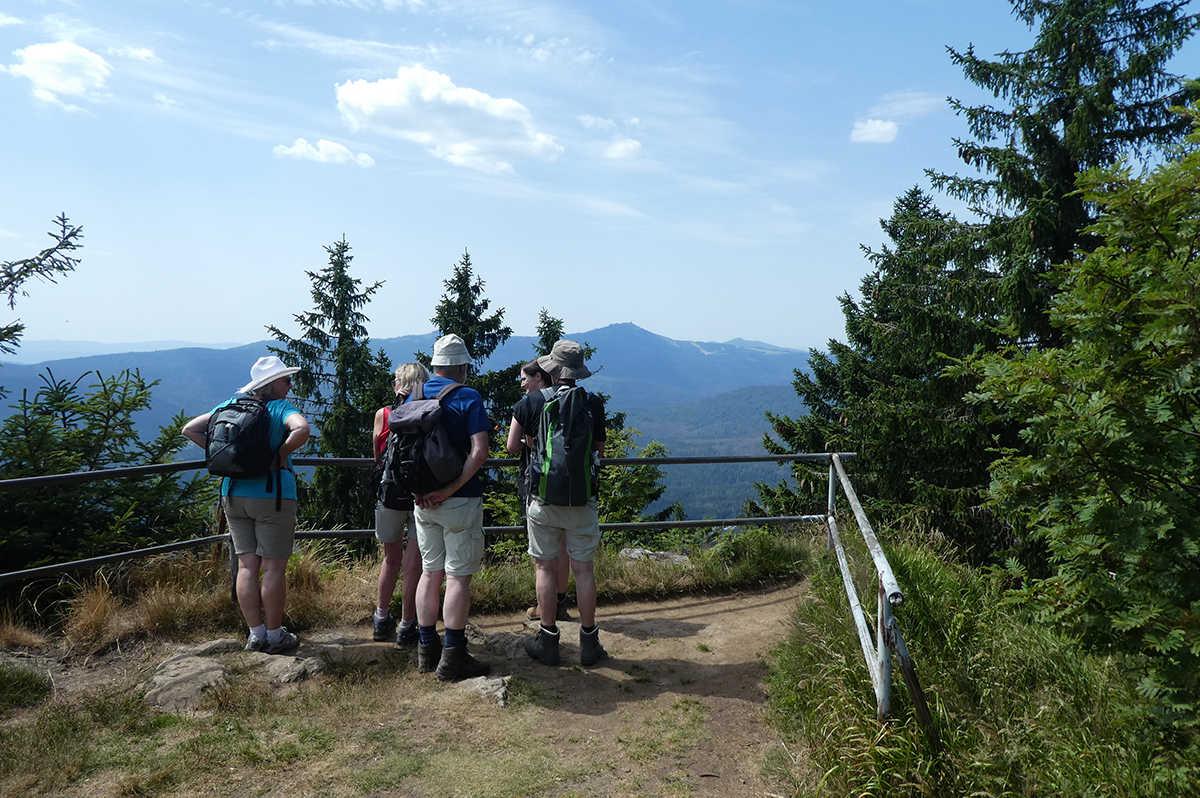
[[258, 528], [451, 536], [549, 522], [390, 524]]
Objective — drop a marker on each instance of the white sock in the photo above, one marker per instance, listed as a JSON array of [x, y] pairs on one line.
[[274, 635], [381, 613], [258, 632]]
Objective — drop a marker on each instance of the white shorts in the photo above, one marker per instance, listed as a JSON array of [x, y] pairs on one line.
[[451, 536], [549, 522]]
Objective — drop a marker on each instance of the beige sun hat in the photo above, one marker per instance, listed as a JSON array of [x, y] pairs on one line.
[[450, 351], [265, 370], [565, 361]]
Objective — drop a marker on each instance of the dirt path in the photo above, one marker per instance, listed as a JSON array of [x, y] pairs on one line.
[[677, 709], [670, 663]]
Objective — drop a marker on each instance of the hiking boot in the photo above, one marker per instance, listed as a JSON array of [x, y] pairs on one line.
[[457, 664], [590, 650], [428, 656], [288, 642], [384, 628], [258, 644], [560, 615], [543, 646], [410, 637]]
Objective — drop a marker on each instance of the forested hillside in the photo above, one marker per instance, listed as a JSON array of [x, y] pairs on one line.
[[731, 423]]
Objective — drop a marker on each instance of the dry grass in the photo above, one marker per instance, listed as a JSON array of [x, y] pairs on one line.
[[186, 596], [13, 634], [325, 590], [94, 616], [166, 611]]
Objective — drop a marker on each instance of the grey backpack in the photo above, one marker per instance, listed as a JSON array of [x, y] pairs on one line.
[[420, 456]]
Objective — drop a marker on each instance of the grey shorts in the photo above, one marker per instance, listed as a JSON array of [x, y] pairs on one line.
[[548, 523], [390, 525], [258, 528], [451, 536]]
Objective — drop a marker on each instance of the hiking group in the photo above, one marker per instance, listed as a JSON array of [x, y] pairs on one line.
[[429, 446]]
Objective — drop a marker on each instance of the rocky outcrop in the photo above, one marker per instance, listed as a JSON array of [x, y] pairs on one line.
[[181, 682]]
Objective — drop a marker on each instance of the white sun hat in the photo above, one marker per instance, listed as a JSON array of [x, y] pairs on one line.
[[450, 350], [265, 370]]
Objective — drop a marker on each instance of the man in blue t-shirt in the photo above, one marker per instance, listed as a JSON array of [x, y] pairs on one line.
[[450, 522], [263, 535]]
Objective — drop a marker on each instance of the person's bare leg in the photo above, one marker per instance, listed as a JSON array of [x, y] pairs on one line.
[[411, 565], [585, 591], [274, 591], [545, 572], [458, 602], [249, 590], [389, 570], [429, 590]]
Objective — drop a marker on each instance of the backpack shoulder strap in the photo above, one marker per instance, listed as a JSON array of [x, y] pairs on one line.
[[442, 394]]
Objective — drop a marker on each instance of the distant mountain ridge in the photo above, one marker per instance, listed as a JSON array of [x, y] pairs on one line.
[[635, 367], [34, 352], [696, 397]]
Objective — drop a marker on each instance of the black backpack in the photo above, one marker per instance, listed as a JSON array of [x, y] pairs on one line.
[[388, 493], [238, 443], [419, 456], [563, 467]]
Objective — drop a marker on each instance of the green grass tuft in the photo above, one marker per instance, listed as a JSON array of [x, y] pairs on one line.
[[20, 687]]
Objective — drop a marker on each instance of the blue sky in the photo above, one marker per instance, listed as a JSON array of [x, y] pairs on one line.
[[704, 169]]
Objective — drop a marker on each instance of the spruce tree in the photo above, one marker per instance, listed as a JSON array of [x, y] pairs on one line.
[[463, 310], [1093, 88], [882, 394], [549, 330], [339, 387], [46, 265]]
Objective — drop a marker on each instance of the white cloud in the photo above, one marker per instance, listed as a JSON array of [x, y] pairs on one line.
[[463, 126], [324, 152], [164, 101], [596, 123], [905, 105], [61, 68], [5, 19], [622, 148], [874, 131], [560, 49], [134, 53], [883, 123]]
